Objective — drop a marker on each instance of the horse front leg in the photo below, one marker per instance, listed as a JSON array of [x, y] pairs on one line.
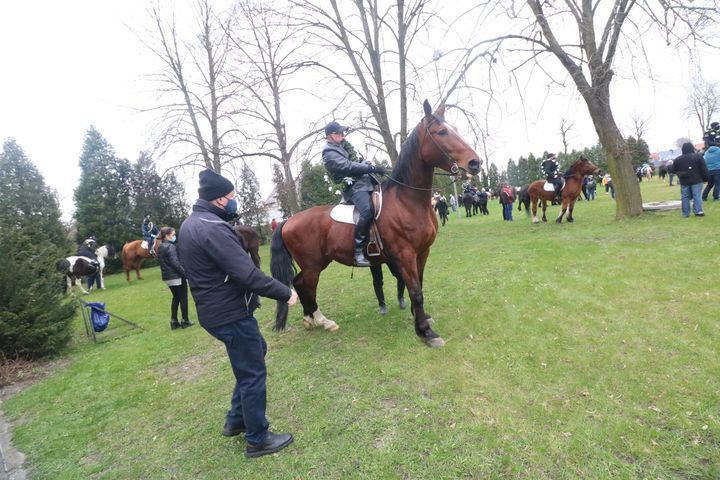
[[544, 206], [570, 218], [533, 207], [563, 208], [408, 266]]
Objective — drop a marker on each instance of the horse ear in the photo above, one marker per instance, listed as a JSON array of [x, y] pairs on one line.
[[427, 108], [440, 111]]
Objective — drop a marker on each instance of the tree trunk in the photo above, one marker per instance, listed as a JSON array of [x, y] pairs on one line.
[[290, 181], [628, 201]]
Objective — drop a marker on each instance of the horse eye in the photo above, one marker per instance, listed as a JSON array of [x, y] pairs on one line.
[[443, 132]]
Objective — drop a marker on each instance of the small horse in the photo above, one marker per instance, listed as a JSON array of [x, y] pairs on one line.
[[407, 226], [570, 192], [467, 201], [133, 255], [75, 267], [662, 171], [524, 199], [647, 172]]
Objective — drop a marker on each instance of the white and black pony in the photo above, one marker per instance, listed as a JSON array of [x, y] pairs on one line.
[[75, 267]]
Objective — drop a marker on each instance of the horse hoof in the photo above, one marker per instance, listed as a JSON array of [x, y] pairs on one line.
[[383, 310], [436, 342], [535, 220], [402, 304], [559, 220], [331, 326], [307, 325], [570, 220]]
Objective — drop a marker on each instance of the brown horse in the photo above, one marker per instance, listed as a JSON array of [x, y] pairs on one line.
[[133, 255], [407, 226], [570, 192]]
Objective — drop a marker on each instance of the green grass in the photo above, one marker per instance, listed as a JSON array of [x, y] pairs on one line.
[[585, 350]]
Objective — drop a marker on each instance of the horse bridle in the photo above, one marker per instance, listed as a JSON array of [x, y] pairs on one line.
[[454, 169]]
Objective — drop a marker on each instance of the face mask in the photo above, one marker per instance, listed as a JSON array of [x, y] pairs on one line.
[[172, 240], [231, 207]]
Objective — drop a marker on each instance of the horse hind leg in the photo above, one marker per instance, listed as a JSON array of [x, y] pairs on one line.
[[306, 287]]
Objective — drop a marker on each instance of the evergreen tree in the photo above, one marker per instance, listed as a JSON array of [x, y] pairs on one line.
[[523, 173], [596, 154], [35, 317], [163, 199], [533, 168], [282, 192], [493, 177], [316, 188], [251, 209], [639, 151], [103, 196], [512, 176]]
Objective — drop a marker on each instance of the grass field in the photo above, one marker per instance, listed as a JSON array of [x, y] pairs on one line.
[[585, 350]]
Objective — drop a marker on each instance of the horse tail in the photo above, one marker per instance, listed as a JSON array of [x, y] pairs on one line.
[[283, 270]]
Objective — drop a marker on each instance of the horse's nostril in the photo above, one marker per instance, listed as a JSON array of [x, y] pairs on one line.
[[474, 166]]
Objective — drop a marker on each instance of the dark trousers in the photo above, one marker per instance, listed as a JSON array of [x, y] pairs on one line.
[[361, 200], [180, 297], [712, 184], [246, 349], [93, 279]]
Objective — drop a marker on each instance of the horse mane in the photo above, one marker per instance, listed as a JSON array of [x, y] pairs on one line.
[[408, 150], [571, 169]]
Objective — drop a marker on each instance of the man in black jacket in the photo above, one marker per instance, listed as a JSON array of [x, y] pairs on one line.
[[359, 184], [225, 284], [692, 171]]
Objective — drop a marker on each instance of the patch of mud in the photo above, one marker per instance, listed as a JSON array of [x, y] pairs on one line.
[[191, 368]]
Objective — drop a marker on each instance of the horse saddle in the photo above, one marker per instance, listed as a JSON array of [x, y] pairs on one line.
[[347, 213], [550, 186], [144, 244]]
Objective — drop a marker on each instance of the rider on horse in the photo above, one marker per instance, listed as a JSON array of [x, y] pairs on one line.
[[150, 231], [341, 162], [551, 171], [712, 135], [87, 249]]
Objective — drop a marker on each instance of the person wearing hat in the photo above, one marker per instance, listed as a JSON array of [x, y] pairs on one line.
[[226, 286], [359, 184], [551, 171], [712, 135]]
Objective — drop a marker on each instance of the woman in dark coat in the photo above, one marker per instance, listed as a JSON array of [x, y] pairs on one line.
[[173, 274]]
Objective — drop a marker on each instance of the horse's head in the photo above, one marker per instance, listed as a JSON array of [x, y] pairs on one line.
[[441, 145], [583, 166]]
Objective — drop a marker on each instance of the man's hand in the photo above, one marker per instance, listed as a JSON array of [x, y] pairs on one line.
[[293, 298], [379, 170]]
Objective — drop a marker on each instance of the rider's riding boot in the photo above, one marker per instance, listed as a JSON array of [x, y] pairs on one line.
[[359, 258]]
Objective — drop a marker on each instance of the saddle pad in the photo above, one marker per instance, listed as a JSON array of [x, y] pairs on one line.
[[344, 214], [549, 187], [143, 244]]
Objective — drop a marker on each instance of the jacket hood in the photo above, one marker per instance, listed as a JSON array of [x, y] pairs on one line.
[[688, 148]]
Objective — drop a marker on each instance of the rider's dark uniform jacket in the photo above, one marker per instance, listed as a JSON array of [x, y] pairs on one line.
[[338, 164], [712, 137], [224, 281], [170, 266], [85, 251], [550, 168]]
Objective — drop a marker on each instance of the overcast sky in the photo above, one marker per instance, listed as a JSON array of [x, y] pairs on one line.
[[69, 65]]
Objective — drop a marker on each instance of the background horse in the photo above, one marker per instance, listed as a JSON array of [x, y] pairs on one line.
[[662, 171], [573, 184], [75, 267], [524, 199], [407, 226], [377, 276], [647, 172], [467, 201], [133, 255]]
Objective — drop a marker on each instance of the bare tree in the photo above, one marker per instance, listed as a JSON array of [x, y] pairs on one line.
[[639, 125], [375, 42], [703, 102], [267, 43], [565, 127], [542, 28], [195, 90]]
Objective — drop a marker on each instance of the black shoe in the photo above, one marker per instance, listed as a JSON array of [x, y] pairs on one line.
[[359, 259], [701, 214], [273, 443], [383, 309], [174, 325], [186, 323], [230, 431]]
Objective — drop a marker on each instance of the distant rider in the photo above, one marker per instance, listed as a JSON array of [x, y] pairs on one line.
[[341, 163], [150, 232], [551, 171], [712, 135]]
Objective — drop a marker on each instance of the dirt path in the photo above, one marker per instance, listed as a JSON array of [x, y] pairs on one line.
[[11, 460]]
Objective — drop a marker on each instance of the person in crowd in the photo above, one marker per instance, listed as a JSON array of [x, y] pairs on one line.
[[483, 201], [584, 188], [590, 187], [506, 200], [150, 232], [441, 207], [691, 171], [354, 174], [711, 137], [453, 203], [173, 274], [551, 171], [712, 160], [226, 285], [273, 225]]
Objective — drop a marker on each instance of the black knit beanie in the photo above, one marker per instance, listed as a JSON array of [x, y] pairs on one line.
[[213, 186]]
